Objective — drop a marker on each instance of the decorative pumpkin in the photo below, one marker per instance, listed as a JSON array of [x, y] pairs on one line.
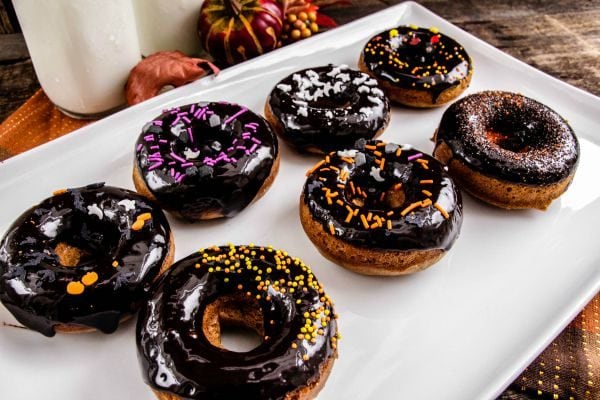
[[235, 30]]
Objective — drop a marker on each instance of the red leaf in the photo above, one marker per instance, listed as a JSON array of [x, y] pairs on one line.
[[325, 21]]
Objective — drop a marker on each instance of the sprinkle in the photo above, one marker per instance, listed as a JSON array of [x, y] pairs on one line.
[[234, 116], [59, 191], [331, 228], [426, 181], [397, 186], [187, 164], [154, 166], [149, 138], [178, 158], [349, 216], [364, 221], [190, 134], [441, 210], [137, 225], [398, 152], [339, 202], [348, 160], [139, 147], [433, 29], [382, 163], [370, 147], [369, 216], [115, 263], [157, 123], [352, 188], [389, 224], [426, 193], [415, 156], [390, 213], [410, 208], [426, 203], [145, 216], [75, 288], [155, 147], [90, 278], [377, 153]]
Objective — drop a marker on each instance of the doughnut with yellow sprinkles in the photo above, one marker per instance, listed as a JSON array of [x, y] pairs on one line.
[[266, 290], [381, 208], [417, 67]]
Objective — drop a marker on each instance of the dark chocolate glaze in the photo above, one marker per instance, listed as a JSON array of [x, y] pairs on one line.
[[510, 137], [33, 283], [206, 157], [328, 108], [417, 58], [177, 358], [423, 228]]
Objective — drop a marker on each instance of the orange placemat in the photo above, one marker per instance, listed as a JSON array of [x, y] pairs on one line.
[[568, 369]]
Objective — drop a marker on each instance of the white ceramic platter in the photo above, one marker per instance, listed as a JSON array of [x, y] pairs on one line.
[[462, 329]]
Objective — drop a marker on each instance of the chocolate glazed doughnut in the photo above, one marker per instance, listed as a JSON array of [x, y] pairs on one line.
[[206, 160], [507, 149], [178, 331], [83, 259], [327, 108], [381, 209], [417, 67]]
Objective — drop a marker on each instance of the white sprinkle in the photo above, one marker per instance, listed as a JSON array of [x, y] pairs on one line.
[[190, 154], [329, 114], [360, 159], [95, 210], [376, 174], [214, 120], [109, 214], [364, 89], [303, 111], [347, 153], [371, 82], [128, 204], [343, 77], [49, 227], [377, 92], [360, 80], [283, 87]]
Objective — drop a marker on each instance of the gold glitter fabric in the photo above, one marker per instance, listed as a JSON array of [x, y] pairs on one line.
[[567, 370], [36, 122]]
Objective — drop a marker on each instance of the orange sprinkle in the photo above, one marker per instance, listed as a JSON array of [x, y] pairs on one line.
[[397, 186], [356, 212], [144, 216], [369, 216], [370, 147], [424, 165], [90, 278], [115, 263], [349, 217], [390, 213], [322, 179], [348, 160], [398, 152], [137, 225], [382, 163], [410, 208], [327, 159], [441, 210], [329, 201], [382, 196], [341, 186], [389, 224], [339, 202], [75, 288], [426, 193], [350, 210], [352, 187], [374, 225], [426, 202], [325, 169], [336, 169], [422, 161], [331, 228], [364, 221], [381, 144], [426, 181], [59, 191], [330, 194], [316, 167], [377, 153]]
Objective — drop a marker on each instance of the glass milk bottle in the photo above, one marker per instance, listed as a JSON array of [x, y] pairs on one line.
[[82, 51], [168, 25]]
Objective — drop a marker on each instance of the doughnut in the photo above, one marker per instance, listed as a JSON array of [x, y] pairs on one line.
[[323, 109], [265, 290], [381, 208], [205, 160], [507, 149], [83, 259], [417, 67]]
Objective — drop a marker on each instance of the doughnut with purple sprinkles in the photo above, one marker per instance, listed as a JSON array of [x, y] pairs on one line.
[[268, 291], [206, 160], [381, 208], [327, 108], [417, 67]]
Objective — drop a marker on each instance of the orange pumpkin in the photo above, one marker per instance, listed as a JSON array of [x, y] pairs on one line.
[[232, 31]]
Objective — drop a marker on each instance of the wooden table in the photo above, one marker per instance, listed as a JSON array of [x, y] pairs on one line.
[[559, 37]]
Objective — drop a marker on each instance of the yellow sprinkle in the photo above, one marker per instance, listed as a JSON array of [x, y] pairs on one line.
[[144, 216], [331, 228], [398, 152], [426, 193], [393, 33], [115, 263], [433, 29], [349, 217], [426, 202], [364, 221], [59, 191], [137, 225], [305, 357], [441, 210], [412, 26], [75, 288], [389, 224], [90, 278]]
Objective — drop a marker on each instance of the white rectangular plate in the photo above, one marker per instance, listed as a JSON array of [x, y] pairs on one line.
[[462, 329]]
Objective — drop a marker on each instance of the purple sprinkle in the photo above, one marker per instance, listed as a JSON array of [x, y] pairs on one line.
[[172, 172], [191, 136], [175, 156], [254, 146], [180, 178], [240, 147], [251, 125], [163, 141], [234, 142], [172, 162], [415, 156], [255, 140], [234, 116], [192, 108], [157, 154], [232, 159], [176, 121], [155, 147], [248, 152], [186, 119], [187, 164], [149, 138], [155, 159], [139, 147], [200, 112], [154, 166], [157, 123], [229, 149]]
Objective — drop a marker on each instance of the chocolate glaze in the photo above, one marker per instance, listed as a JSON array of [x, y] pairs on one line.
[[328, 107], [177, 358], [417, 58], [206, 157], [33, 282], [510, 137], [422, 228]]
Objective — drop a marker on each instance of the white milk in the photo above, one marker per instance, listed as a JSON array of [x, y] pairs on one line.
[[168, 25], [82, 50]]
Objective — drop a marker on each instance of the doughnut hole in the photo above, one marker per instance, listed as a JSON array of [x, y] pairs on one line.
[[514, 135], [339, 100], [234, 323], [380, 199]]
